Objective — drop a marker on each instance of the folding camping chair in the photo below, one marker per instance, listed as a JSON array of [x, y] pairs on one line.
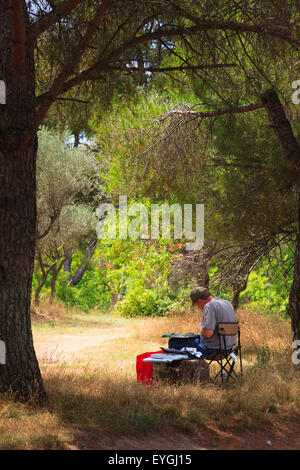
[[228, 355]]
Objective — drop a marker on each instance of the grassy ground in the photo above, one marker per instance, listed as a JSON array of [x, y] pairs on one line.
[[94, 398]]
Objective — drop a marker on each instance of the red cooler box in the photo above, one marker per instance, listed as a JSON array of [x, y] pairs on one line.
[[144, 370]]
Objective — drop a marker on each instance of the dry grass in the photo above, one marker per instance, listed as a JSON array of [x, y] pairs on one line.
[[98, 394], [29, 427], [56, 319]]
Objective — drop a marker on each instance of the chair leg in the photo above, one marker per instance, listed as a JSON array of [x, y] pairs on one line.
[[219, 372], [222, 371], [241, 366], [231, 370], [228, 367]]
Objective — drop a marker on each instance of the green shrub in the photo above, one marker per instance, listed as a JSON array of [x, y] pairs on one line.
[[268, 290], [140, 302], [88, 293]]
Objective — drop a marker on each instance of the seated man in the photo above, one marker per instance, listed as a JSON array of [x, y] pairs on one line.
[[215, 310]]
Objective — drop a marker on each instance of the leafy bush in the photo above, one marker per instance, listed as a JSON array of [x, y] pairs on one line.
[[269, 288], [133, 269], [145, 302], [89, 293]]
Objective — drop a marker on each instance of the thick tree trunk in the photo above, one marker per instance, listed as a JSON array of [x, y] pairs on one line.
[[282, 128], [294, 300], [291, 149], [20, 374]]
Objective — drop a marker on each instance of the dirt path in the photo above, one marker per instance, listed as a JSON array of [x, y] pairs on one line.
[[60, 347], [281, 437], [284, 437]]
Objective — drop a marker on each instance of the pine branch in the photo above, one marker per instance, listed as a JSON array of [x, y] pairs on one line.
[[62, 83], [61, 10], [93, 72], [68, 69], [204, 26], [209, 114], [181, 68]]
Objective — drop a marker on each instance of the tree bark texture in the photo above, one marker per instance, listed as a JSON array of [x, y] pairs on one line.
[[291, 149], [20, 374], [282, 128], [294, 299]]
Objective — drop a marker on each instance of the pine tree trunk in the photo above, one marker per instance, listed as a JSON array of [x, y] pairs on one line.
[[282, 128], [294, 300], [20, 374], [291, 149]]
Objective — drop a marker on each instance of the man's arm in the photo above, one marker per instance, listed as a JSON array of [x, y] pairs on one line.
[[208, 324], [205, 332]]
